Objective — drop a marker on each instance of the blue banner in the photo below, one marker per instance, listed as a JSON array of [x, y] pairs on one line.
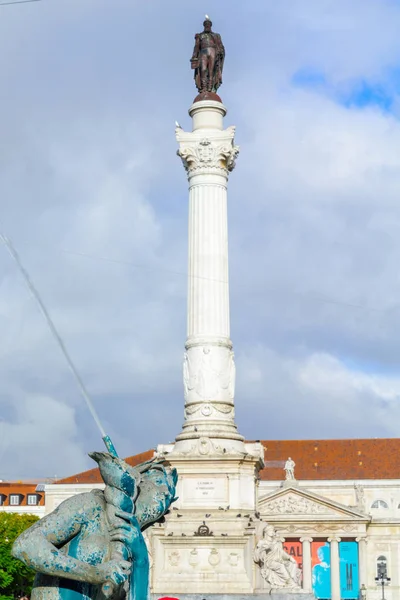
[[321, 569], [349, 576]]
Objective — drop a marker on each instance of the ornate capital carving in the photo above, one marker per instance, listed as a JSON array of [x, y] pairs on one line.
[[215, 153], [334, 539], [306, 539], [207, 155]]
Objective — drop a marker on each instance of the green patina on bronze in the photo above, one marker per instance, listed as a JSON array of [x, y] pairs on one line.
[[92, 546]]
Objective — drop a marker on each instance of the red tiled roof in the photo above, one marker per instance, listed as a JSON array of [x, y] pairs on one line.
[[334, 459], [93, 475], [22, 489], [315, 460]]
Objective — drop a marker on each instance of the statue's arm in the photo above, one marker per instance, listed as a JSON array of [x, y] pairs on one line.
[[128, 532], [196, 48], [38, 546], [221, 46]]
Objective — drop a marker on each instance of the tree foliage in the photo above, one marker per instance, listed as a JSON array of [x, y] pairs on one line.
[[15, 578]]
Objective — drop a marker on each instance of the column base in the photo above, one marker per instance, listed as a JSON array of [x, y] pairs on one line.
[[214, 430]]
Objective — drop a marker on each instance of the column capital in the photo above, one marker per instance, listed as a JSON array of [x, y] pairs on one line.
[[207, 151], [334, 538], [306, 539], [362, 538]]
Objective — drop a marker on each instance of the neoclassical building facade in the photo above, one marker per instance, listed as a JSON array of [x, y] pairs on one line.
[[338, 518]]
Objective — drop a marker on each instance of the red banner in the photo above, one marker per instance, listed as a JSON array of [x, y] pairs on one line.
[[295, 550]]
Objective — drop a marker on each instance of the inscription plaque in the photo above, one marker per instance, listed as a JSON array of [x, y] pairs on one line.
[[209, 490]]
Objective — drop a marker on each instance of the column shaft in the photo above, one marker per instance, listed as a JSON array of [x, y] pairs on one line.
[[335, 568], [362, 558], [208, 285], [307, 575]]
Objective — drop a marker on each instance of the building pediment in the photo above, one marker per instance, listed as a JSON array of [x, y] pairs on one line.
[[295, 504]]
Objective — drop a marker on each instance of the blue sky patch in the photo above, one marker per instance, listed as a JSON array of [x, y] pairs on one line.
[[358, 93]]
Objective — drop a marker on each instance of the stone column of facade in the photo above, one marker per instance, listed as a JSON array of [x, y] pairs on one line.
[[335, 568], [307, 566], [208, 154], [362, 558]]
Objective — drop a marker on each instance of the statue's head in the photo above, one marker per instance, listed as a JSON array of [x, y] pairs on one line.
[[157, 493], [147, 490], [207, 25], [269, 531]]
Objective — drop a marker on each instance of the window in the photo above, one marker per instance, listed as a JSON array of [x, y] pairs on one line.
[[381, 566], [32, 499], [379, 504], [1, 499], [14, 499]]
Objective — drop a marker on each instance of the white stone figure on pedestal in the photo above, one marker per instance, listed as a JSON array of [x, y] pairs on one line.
[[278, 569], [289, 468]]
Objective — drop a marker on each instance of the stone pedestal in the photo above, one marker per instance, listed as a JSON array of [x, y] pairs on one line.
[[206, 545]]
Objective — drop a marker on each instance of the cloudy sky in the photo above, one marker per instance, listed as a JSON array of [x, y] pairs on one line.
[[95, 200]]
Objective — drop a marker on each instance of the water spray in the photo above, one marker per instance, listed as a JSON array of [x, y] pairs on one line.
[[106, 438]]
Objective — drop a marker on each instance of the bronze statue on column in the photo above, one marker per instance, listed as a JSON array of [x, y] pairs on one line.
[[208, 62]]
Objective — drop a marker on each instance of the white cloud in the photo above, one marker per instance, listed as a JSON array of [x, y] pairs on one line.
[[314, 395]]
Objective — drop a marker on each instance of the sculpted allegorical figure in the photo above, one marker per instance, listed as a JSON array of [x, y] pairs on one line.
[[278, 568], [208, 59], [91, 546]]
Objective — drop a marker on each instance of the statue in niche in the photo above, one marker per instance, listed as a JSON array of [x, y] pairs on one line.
[[289, 469], [91, 547], [208, 59], [278, 568]]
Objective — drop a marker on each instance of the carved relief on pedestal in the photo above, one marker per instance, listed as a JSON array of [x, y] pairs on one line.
[[233, 559], [205, 447], [278, 569], [214, 557], [193, 557], [215, 153], [174, 558], [209, 373], [209, 410]]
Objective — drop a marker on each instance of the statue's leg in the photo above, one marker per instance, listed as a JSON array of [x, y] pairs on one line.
[[203, 71], [211, 74]]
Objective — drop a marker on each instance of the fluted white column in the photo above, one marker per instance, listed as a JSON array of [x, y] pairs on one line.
[[208, 154], [307, 566], [335, 568], [362, 559]]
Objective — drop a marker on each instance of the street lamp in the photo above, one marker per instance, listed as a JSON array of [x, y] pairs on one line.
[[382, 579]]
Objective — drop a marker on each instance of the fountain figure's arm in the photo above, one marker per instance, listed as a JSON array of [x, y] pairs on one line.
[[39, 546], [130, 535]]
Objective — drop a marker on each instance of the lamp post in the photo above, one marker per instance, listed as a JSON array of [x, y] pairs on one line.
[[382, 579]]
